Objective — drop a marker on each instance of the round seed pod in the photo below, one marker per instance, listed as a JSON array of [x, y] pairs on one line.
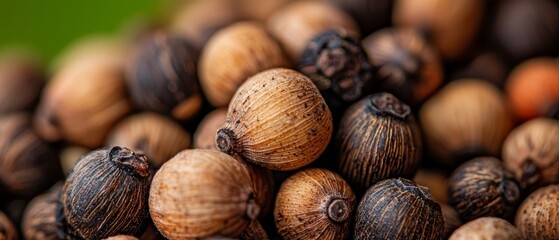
[[232, 55], [338, 66], [121, 237], [450, 25], [106, 194], [158, 137], [487, 228], [254, 231], [468, 118], [21, 81], [370, 15], [451, 220], [378, 139], [277, 119], [162, 77], [28, 165], [202, 193], [205, 135], [538, 216], [419, 215], [482, 188], [314, 204], [525, 29], [405, 64], [85, 98], [39, 219], [533, 88], [530, 153], [306, 19], [7, 229]]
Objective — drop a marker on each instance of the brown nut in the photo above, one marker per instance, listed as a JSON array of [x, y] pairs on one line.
[[21, 81], [254, 231], [7, 229], [39, 219], [487, 228], [205, 135], [538, 216]]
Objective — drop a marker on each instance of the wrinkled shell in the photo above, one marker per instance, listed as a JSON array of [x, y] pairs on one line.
[[451, 25], [530, 152], [451, 220], [7, 229], [378, 139], [295, 24], [205, 135], [106, 194], [418, 215], [277, 119], [21, 81], [162, 77], [481, 187], [28, 165], [435, 181], [538, 216], [468, 118], [85, 98], [406, 65], [533, 88], [39, 219], [314, 204], [202, 193], [487, 228], [254, 231], [158, 137], [234, 54]]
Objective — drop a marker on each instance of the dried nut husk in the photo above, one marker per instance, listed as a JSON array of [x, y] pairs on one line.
[[162, 76], [28, 165], [21, 81], [530, 152], [295, 24], [450, 25], [378, 139], [121, 237], [338, 66], [254, 231], [85, 98], [435, 181], [158, 137], [418, 215], [70, 155], [201, 193], [487, 228], [277, 119], [39, 219], [482, 187], [533, 88], [7, 229], [314, 204], [205, 135], [468, 118], [538, 216], [452, 220], [370, 15], [197, 21], [106, 194], [234, 54], [405, 64], [525, 29]]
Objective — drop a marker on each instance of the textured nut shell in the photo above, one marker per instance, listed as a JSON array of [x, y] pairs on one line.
[[452, 25], [295, 24], [158, 137], [533, 86], [121, 237], [418, 215], [304, 202], [234, 54], [202, 193], [279, 120], [84, 100], [530, 152], [7, 229], [451, 220], [39, 219], [205, 135], [487, 228], [465, 115], [435, 181], [254, 231], [21, 81], [538, 216]]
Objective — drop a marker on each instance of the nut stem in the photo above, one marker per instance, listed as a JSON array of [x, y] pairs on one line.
[[387, 103], [338, 210], [225, 141], [129, 161]]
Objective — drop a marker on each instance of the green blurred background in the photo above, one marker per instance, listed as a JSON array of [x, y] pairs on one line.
[[47, 27]]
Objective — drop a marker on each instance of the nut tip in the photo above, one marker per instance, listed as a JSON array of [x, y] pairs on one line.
[[338, 210], [225, 141]]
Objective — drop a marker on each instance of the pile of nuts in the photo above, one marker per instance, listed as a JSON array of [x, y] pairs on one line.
[[291, 119]]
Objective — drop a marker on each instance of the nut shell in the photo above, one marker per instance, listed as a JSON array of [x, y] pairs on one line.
[[39, 219], [21, 81], [451, 220], [378, 139], [234, 54], [254, 231], [277, 119], [205, 135], [487, 228], [158, 137], [419, 215], [314, 204], [7, 229], [538, 216]]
